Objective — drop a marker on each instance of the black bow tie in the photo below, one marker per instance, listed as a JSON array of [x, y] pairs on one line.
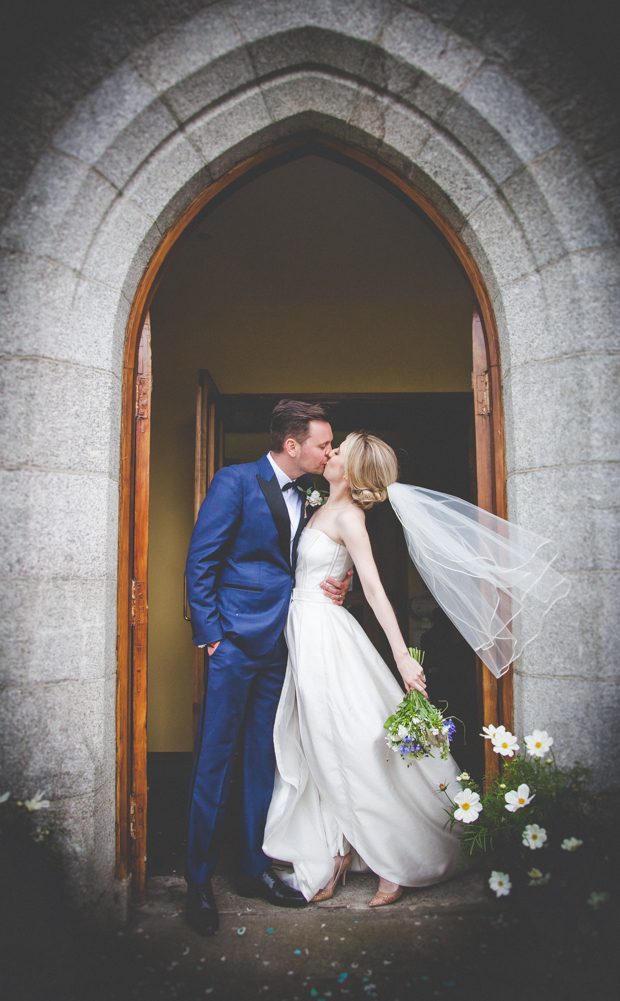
[[291, 484]]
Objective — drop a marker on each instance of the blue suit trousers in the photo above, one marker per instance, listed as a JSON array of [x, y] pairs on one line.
[[240, 703]]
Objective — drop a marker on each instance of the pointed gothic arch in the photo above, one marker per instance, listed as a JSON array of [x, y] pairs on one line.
[[496, 696]]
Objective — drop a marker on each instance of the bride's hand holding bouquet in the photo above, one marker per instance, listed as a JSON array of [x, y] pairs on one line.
[[412, 673]]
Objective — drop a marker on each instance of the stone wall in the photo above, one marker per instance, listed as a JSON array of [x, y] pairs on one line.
[[113, 134]]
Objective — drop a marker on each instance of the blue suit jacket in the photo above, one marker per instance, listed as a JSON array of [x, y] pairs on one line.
[[239, 576]]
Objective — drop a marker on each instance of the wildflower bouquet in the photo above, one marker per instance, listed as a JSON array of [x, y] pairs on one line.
[[418, 726]]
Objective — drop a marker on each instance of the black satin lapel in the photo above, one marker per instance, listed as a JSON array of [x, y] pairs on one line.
[[279, 512], [303, 521]]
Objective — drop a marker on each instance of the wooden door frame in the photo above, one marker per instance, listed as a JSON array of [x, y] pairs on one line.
[[497, 706]]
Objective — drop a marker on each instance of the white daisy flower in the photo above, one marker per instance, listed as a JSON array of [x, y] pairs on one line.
[[571, 844], [596, 898], [504, 743], [534, 836], [516, 799], [37, 802], [489, 731], [500, 883], [538, 743], [468, 806]]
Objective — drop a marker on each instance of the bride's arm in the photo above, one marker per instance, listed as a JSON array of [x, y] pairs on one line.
[[352, 529]]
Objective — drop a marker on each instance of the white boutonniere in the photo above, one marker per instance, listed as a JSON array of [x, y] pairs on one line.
[[313, 497]]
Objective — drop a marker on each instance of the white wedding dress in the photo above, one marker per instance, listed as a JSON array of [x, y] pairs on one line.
[[336, 788]]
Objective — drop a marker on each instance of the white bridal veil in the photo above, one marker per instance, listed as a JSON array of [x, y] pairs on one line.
[[493, 579]]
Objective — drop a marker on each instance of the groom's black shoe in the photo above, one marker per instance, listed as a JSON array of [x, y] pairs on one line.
[[201, 912], [270, 887]]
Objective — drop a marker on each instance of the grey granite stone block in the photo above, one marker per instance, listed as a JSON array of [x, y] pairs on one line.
[[118, 242], [580, 634], [135, 143], [164, 175], [218, 131], [368, 116], [62, 205], [492, 150], [309, 91], [511, 113], [309, 46], [211, 83], [89, 852], [56, 738], [57, 416], [405, 131], [356, 18], [576, 507], [57, 630], [455, 173], [444, 56], [567, 410], [58, 525], [497, 244], [183, 50], [569, 307], [571, 195], [97, 121], [536, 216], [576, 713]]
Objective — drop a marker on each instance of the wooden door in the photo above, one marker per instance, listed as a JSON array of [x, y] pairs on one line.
[[139, 618], [494, 696], [209, 457]]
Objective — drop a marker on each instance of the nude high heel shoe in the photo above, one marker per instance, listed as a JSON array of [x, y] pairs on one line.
[[340, 869], [381, 899]]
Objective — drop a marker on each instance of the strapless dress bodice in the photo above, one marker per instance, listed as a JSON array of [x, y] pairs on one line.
[[318, 557]]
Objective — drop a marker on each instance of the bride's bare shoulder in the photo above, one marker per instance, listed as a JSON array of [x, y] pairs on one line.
[[352, 518]]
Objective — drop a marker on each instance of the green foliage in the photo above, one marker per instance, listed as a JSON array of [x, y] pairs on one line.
[[561, 804]]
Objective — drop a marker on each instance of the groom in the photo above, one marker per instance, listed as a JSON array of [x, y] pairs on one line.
[[240, 571]]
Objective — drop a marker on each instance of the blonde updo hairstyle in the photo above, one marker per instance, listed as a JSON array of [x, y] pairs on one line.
[[369, 467]]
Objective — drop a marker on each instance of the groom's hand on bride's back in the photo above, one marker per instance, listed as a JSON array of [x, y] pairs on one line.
[[337, 589]]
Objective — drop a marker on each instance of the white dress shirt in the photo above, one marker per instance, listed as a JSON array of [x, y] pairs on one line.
[[292, 499]]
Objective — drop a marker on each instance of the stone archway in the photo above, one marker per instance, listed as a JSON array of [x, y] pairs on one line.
[[175, 116]]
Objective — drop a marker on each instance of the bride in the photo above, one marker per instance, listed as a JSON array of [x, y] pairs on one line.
[[340, 801]]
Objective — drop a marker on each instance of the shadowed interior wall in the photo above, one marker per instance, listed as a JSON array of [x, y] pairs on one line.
[[312, 279]]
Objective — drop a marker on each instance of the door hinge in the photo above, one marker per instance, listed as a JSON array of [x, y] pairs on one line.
[[482, 396], [138, 602], [132, 818], [143, 396], [136, 817]]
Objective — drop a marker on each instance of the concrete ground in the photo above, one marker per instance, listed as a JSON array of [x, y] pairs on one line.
[[338, 948]]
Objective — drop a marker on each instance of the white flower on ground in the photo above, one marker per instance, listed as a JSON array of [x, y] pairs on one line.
[[4, 797], [597, 897], [505, 742], [315, 499], [538, 743], [500, 883], [534, 836], [516, 799], [468, 806], [463, 777], [37, 802], [489, 731], [571, 844], [537, 878]]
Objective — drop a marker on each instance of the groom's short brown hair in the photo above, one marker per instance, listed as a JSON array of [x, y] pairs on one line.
[[291, 419]]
